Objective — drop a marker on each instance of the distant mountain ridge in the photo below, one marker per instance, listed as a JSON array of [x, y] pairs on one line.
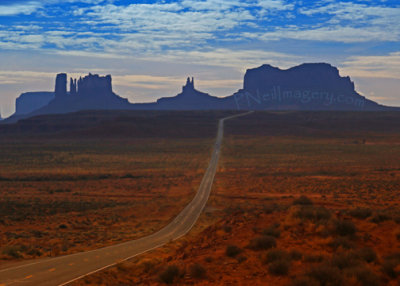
[[310, 86]]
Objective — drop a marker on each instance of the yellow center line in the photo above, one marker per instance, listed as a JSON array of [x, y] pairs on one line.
[[29, 276], [52, 270]]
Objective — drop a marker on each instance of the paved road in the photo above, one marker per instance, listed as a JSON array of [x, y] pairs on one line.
[[65, 269]]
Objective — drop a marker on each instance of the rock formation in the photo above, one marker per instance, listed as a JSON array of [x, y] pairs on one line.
[[72, 86], [306, 87], [192, 99], [189, 85], [61, 85], [30, 101], [93, 85], [316, 86], [88, 93]]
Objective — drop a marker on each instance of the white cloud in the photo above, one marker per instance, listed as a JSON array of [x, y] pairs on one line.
[[170, 17], [20, 8], [349, 22], [30, 6], [277, 5], [336, 33]]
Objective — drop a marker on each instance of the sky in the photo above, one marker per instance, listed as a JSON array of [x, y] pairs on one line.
[[150, 47]]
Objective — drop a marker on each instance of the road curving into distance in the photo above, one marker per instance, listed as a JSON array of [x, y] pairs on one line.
[[63, 270]]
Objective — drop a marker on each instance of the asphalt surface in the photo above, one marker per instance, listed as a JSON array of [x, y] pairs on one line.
[[66, 269]]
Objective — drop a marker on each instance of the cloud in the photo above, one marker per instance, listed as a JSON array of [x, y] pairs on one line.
[[186, 17], [182, 25], [156, 82], [334, 33], [237, 59], [152, 28], [349, 22], [146, 81], [7, 77], [149, 46], [274, 5], [26, 8], [383, 66]]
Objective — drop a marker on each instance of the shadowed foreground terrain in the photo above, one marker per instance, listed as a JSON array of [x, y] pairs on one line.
[[64, 192], [300, 198]]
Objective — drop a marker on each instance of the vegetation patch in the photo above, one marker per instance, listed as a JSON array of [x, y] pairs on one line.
[[303, 201], [169, 274], [344, 228], [197, 271], [360, 213], [262, 242], [233, 250]]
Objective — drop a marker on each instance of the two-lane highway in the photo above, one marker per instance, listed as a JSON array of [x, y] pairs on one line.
[[65, 269]]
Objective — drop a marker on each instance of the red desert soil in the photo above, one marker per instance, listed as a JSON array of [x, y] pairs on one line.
[[301, 209], [301, 198]]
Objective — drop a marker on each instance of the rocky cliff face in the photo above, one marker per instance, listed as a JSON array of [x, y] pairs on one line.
[[306, 87]]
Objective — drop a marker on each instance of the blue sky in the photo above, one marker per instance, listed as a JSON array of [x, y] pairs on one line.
[[151, 46]]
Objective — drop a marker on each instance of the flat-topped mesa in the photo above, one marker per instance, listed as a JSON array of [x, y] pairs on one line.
[[309, 86], [320, 76], [30, 101]]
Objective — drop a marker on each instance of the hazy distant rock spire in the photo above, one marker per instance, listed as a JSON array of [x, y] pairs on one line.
[[61, 85], [189, 85]]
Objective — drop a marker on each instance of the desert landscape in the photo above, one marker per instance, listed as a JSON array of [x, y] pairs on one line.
[[299, 198], [62, 194], [199, 142]]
